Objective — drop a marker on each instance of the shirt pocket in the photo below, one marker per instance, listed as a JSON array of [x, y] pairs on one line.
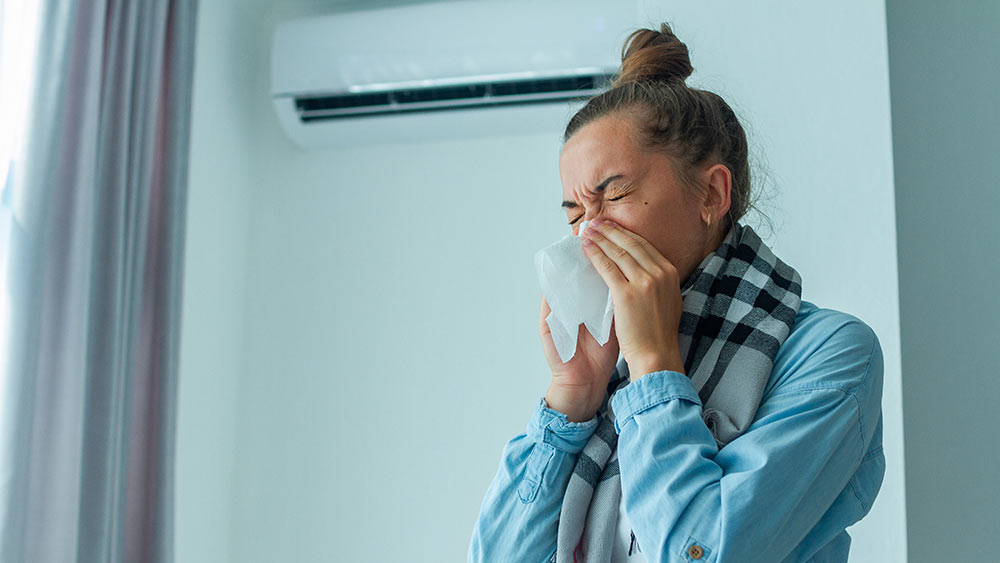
[[538, 460]]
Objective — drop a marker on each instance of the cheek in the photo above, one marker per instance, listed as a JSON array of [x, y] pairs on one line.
[[666, 232], [638, 219]]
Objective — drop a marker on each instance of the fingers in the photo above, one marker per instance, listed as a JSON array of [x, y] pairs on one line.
[[612, 270], [617, 242], [615, 263]]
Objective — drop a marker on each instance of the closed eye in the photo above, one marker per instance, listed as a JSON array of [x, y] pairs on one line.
[[610, 199]]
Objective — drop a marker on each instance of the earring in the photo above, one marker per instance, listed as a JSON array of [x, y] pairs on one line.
[[709, 224]]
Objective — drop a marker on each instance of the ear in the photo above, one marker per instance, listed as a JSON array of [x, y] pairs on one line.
[[718, 181]]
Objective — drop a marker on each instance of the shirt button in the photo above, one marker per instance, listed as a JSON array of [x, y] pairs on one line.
[[695, 552]]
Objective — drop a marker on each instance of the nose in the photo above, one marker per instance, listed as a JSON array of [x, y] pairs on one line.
[[594, 212], [591, 209]]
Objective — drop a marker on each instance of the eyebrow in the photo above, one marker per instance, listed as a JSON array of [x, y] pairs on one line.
[[600, 188]]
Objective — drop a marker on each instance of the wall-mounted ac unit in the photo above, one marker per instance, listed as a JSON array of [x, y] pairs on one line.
[[446, 70]]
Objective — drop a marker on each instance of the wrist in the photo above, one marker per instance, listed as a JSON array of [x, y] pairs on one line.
[[575, 407], [670, 361]]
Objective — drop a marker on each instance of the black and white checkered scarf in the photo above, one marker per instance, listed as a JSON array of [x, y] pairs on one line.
[[739, 307]]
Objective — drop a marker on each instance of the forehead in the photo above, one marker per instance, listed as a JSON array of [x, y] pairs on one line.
[[600, 147]]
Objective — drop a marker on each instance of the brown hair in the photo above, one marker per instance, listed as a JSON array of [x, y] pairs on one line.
[[693, 127]]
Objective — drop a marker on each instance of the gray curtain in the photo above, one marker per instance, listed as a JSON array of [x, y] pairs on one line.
[[94, 275]]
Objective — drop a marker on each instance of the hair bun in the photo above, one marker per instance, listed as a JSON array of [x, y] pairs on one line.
[[654, 55]]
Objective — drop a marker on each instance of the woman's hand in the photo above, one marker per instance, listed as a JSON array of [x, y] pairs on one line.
[[645, 289], [579, 385]]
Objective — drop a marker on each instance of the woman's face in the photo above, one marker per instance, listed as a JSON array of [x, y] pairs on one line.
[[605, 174]]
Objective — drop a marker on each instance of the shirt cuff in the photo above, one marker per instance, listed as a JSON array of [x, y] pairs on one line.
[[648, 391], [554, 428]]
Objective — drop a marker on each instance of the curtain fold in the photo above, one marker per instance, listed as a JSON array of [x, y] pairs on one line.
[[94, 276]]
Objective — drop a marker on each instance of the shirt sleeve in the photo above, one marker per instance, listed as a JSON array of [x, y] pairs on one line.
[[759, 496], [519, 516]]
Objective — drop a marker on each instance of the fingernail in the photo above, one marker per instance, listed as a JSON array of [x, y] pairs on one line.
[[596, 222]]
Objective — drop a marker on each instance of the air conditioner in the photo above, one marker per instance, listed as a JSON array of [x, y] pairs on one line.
[[444, 70]]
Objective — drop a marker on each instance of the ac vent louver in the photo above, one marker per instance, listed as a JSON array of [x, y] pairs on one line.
[[447, 97]]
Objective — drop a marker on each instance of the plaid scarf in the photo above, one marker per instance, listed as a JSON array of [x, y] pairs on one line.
[[739, 307]]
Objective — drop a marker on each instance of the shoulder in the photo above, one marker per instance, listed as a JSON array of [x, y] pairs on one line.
[[829, 349]]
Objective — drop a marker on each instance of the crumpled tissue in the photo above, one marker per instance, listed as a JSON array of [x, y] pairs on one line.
[[575, 292]]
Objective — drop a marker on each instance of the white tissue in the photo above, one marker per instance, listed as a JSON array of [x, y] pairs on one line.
[[575, 292]]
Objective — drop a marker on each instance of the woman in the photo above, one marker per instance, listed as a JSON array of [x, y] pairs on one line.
[[740, 423]]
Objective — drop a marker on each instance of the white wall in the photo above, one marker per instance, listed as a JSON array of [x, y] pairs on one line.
[[212, 340], [368, 317]]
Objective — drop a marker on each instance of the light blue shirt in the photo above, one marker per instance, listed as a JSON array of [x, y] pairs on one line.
[[809, 466]]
